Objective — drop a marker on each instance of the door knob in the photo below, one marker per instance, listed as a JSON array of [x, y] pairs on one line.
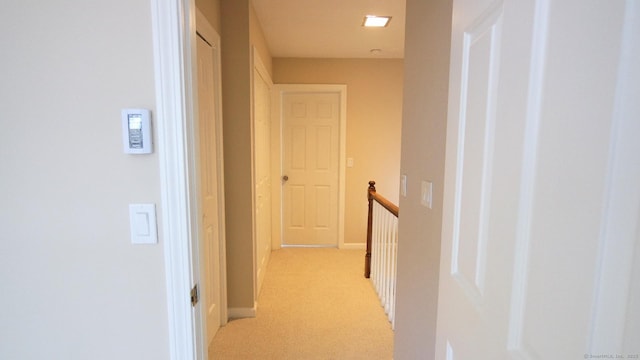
[[285, 178]]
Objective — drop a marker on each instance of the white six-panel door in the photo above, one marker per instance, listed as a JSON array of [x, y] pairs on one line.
[[542, 205], [311, 146]]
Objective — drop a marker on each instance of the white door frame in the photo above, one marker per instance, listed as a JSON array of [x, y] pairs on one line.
[[258, 65], [174, 29], [279, 91]]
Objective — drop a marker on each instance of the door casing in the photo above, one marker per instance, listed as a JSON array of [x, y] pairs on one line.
[[262, 173], [175, 64]]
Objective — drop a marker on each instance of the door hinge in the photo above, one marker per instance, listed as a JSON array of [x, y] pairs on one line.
[[195, 297]]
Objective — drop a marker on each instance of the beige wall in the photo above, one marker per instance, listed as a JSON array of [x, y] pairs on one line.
[[237, 151], [374, 110], [73, 285], [211, 10], [258, 40], [423, 151], [240, 31]]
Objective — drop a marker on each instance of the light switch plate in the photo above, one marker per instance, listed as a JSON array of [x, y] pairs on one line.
[[142, 221], [350, 162], [426, 197], [403, 185]]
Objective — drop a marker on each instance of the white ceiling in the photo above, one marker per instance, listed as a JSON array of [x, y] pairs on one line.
[[331, 28]]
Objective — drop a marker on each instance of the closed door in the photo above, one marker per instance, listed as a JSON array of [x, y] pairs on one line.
[[541, 200], [310, 164], [209, 197]]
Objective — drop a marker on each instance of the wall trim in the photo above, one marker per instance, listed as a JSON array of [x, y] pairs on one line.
[[353, 246], [260, 264], [240, 313], [285, 246]]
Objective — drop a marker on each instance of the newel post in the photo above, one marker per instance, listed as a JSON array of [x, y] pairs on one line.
[[367, 258]]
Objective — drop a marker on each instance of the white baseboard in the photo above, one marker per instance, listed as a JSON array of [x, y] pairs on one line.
[[354, 246], [240, 313]]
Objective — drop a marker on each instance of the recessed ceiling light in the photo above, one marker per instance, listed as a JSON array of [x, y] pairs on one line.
[[376, 51], [376, 21]]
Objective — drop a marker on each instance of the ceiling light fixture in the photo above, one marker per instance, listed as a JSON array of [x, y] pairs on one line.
[[376, 21]]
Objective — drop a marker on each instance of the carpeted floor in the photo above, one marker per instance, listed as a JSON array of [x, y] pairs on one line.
[[314, 304]]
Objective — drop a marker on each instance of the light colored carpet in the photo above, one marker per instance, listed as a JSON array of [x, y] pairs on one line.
[[314, 304]]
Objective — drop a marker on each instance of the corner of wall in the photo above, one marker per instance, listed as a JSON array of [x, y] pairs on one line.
[[259, 41], [426, 65], [236, 107]]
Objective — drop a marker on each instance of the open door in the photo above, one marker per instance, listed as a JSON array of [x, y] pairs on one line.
[[211, 186], [541, 200]]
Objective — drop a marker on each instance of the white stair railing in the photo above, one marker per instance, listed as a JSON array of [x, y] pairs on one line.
[[382, 245]]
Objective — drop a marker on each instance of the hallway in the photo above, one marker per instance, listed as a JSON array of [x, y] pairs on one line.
[[315, 304]]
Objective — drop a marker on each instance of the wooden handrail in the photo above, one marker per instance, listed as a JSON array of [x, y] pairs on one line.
[[372, 196], [393, 208]]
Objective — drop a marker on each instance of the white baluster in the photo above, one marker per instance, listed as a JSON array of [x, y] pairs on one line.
[[384, 242]]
